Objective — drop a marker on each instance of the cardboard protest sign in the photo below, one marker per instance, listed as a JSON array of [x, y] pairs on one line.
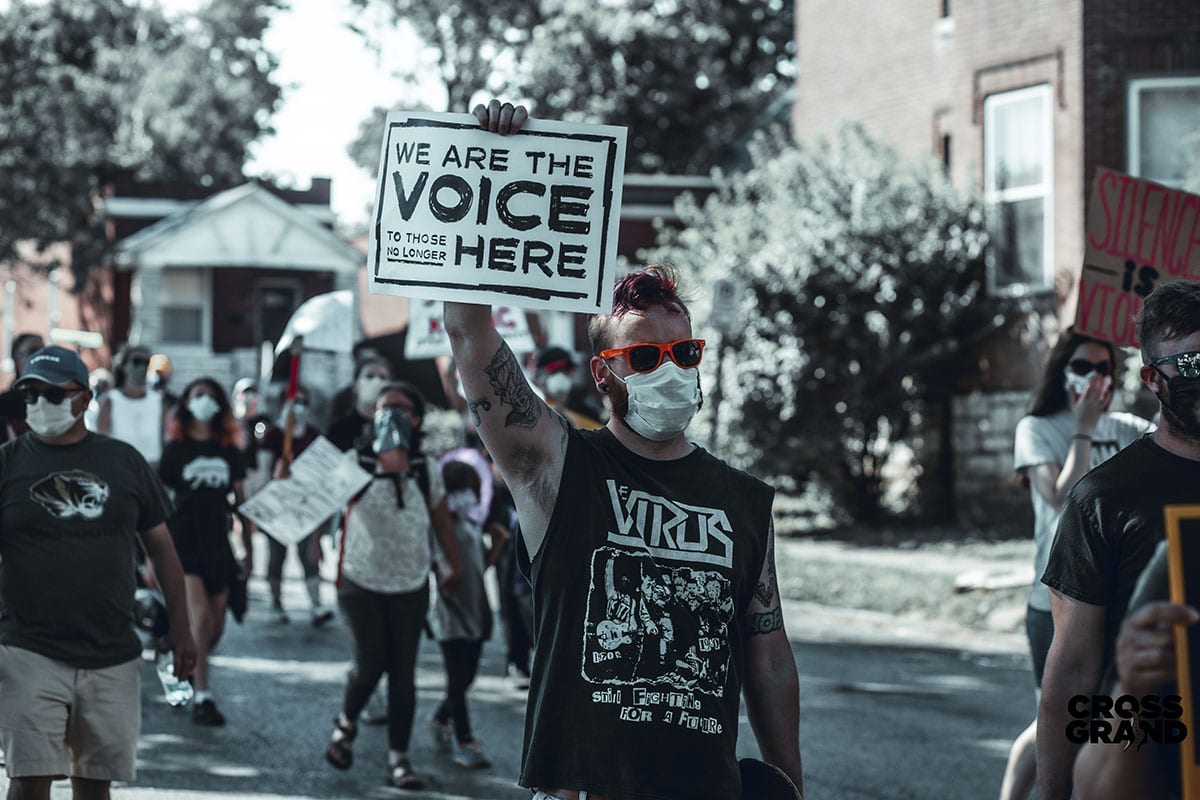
[[427, 336], [1139, 234], [1183, 553], [322, 481], [528, 219]]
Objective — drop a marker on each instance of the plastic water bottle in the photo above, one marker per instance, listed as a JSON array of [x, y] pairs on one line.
[[179, 693]]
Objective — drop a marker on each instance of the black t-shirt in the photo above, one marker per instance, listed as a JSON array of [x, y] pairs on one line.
[[68, 518], [640, 590], [201, 474], [1111, 523]]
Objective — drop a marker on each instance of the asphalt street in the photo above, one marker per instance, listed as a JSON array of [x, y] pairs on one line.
[[882, 717]]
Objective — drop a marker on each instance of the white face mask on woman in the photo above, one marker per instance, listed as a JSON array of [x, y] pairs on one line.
[[203, 408], [48, 419], [662, 402]]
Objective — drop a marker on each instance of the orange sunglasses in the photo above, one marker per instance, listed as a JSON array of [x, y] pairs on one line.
[[646, 357]]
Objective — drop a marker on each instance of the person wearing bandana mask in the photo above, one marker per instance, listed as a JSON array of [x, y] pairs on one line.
[[1069, 430], [384, 575], [1112, 521], [75, 507], [611, 522]]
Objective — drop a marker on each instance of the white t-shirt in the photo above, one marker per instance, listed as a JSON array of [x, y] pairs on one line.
[[386, 548], [138, 421], [1047, 440]]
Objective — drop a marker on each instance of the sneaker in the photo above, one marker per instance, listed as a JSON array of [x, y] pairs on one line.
[[443, 737], [206, 713], [470, 755], [279, 616], [321, 616], [518, 678]]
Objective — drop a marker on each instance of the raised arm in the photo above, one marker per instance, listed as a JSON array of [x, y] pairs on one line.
[[526, 439], [772, 687]]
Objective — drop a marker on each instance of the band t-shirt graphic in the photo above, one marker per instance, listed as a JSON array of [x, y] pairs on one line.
[[640, 590], [68, 516]]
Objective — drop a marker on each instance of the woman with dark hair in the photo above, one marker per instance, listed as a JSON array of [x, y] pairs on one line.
[[1068, 432], [370, 376], [383, 575], [202, 465]]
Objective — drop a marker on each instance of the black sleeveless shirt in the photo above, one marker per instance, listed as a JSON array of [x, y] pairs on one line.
[[640, 588]]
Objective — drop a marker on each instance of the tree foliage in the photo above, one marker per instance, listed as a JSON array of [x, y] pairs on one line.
[[687, 78], [92, 88], [864, 278]]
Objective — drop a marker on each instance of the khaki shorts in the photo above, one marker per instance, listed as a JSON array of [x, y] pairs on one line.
[[57, 720]]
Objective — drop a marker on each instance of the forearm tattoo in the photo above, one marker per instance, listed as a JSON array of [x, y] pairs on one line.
[[511, 388], [765, 592], [767, 622], [474, 405]]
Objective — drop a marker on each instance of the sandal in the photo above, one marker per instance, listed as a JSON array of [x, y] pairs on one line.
[[402, 776], [339, 753]]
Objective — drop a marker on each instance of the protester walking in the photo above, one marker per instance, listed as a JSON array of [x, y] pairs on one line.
[[462, 618], [131, 412], [610, 619], [383, 581], [308, 549], [74, 506], [1111, 522], [203, 466], [1069, 431]]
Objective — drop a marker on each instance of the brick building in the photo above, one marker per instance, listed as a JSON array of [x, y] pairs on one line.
[[1021, 100]]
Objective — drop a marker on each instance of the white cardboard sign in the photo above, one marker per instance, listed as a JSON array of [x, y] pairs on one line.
[[322, 481], [528, 219], [427, 335]]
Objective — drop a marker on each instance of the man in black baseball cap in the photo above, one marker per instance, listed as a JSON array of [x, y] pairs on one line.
[[72, 506]]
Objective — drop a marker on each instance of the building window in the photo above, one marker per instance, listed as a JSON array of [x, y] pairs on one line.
[[1164, 131], [1018, 180], [184, 302]]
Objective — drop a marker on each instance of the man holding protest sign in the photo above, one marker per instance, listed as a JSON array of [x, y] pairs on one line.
[[1112, 521], [636, 679]]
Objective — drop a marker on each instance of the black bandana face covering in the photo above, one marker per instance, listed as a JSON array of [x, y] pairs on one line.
[[1183, 399]]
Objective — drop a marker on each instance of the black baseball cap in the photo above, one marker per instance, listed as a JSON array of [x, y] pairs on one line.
[[56, 366]]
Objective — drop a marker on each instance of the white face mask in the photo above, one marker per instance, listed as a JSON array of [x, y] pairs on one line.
[[48, 419], [368, 388], [558, 384], [662, 402], [203, 408], [1077, 384]]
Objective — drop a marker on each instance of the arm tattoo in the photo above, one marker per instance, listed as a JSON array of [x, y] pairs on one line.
[[512, 389], [765, 623], [474, 405], [765, 592]]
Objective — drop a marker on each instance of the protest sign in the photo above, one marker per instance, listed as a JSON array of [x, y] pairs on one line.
[[427, 336], [1139, 234], [527, 219], [322, 481], [1183, 553]]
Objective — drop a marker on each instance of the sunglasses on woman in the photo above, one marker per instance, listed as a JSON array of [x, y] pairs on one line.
[[1188, 364], [646, 357], [53, 394], [1081, 366]]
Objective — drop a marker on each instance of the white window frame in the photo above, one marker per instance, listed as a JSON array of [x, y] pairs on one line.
[[206, 310], [1045, 189], [1133, 121]]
